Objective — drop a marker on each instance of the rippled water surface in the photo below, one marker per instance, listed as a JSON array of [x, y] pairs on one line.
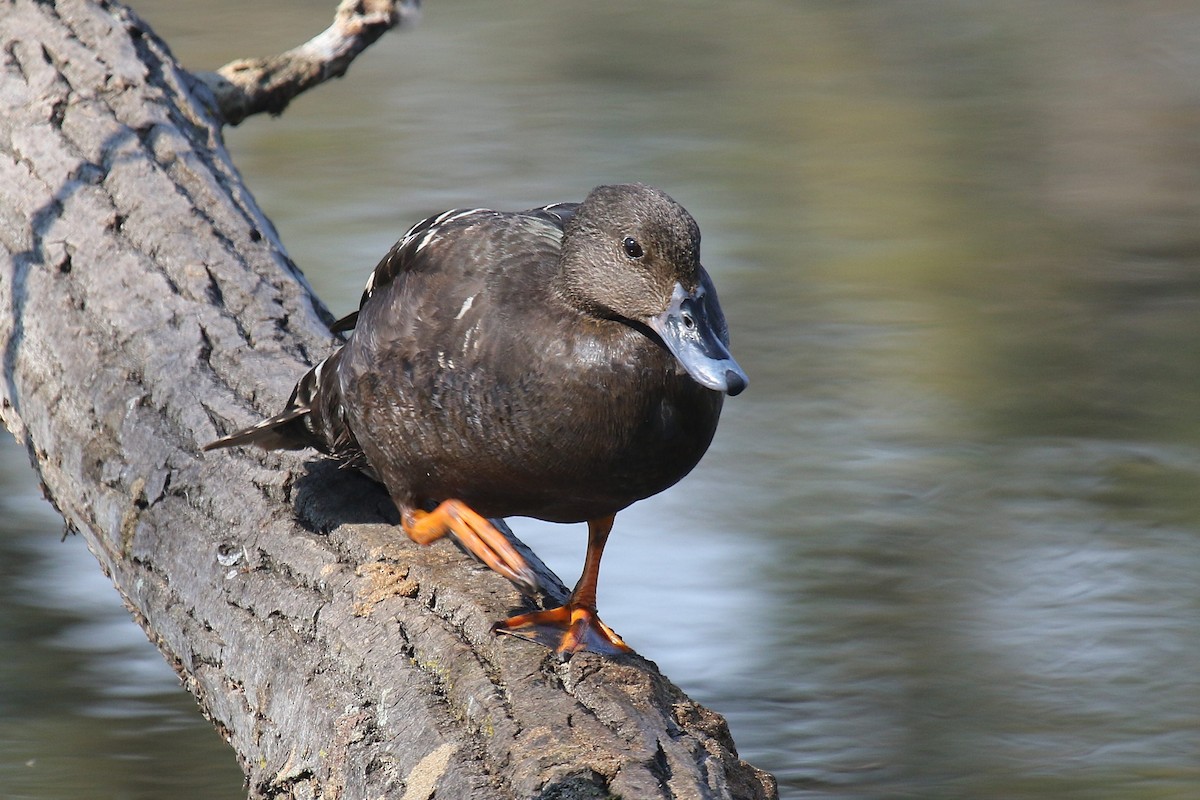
[[947, 545]]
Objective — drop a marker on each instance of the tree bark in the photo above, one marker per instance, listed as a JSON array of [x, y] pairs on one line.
[[147, 306]]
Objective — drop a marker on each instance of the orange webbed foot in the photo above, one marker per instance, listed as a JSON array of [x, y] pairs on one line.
[[566, 630], [575, 626], [475, 534]]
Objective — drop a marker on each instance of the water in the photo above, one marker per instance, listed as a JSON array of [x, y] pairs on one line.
[[946, 545]]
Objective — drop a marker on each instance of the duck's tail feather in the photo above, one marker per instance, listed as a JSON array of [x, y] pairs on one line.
[[284, 431], [313, 417]]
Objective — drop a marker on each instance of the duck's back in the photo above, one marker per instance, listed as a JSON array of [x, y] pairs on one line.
[[468, 376]]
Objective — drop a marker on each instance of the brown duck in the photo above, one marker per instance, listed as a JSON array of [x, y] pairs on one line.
[[559, 363]]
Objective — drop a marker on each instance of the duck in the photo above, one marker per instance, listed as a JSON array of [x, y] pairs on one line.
[[560, 363]]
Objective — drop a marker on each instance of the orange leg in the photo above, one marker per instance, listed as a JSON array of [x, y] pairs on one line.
[[474, 533], [575, 626]]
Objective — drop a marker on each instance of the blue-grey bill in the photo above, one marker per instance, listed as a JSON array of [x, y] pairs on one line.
[[690, 331]]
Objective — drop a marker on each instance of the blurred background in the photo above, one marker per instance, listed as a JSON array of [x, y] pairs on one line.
[[947, 545]]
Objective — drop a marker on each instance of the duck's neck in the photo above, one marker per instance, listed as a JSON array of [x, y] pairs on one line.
[[572, 289], [576, 280]]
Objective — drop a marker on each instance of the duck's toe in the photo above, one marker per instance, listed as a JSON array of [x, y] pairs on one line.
[[476, 534], [566, 630]]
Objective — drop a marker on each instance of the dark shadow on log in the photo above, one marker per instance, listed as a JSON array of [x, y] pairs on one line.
[[319, 494], [146, 304]]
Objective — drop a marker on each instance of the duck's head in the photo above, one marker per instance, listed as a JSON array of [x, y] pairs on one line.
[[631, 253]]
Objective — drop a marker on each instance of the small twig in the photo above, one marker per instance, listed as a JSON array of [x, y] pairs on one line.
[[253, 85]]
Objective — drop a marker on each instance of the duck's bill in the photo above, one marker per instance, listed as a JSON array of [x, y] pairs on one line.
[[690, 332]]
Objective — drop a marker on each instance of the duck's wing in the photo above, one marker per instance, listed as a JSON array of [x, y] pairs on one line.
[[555, 213], [297, 426], [407, 253], [314, 415]]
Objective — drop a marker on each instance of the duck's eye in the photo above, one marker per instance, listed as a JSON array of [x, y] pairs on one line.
[[632, 248]]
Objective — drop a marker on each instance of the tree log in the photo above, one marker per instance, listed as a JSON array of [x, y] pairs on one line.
[[147, 306]]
